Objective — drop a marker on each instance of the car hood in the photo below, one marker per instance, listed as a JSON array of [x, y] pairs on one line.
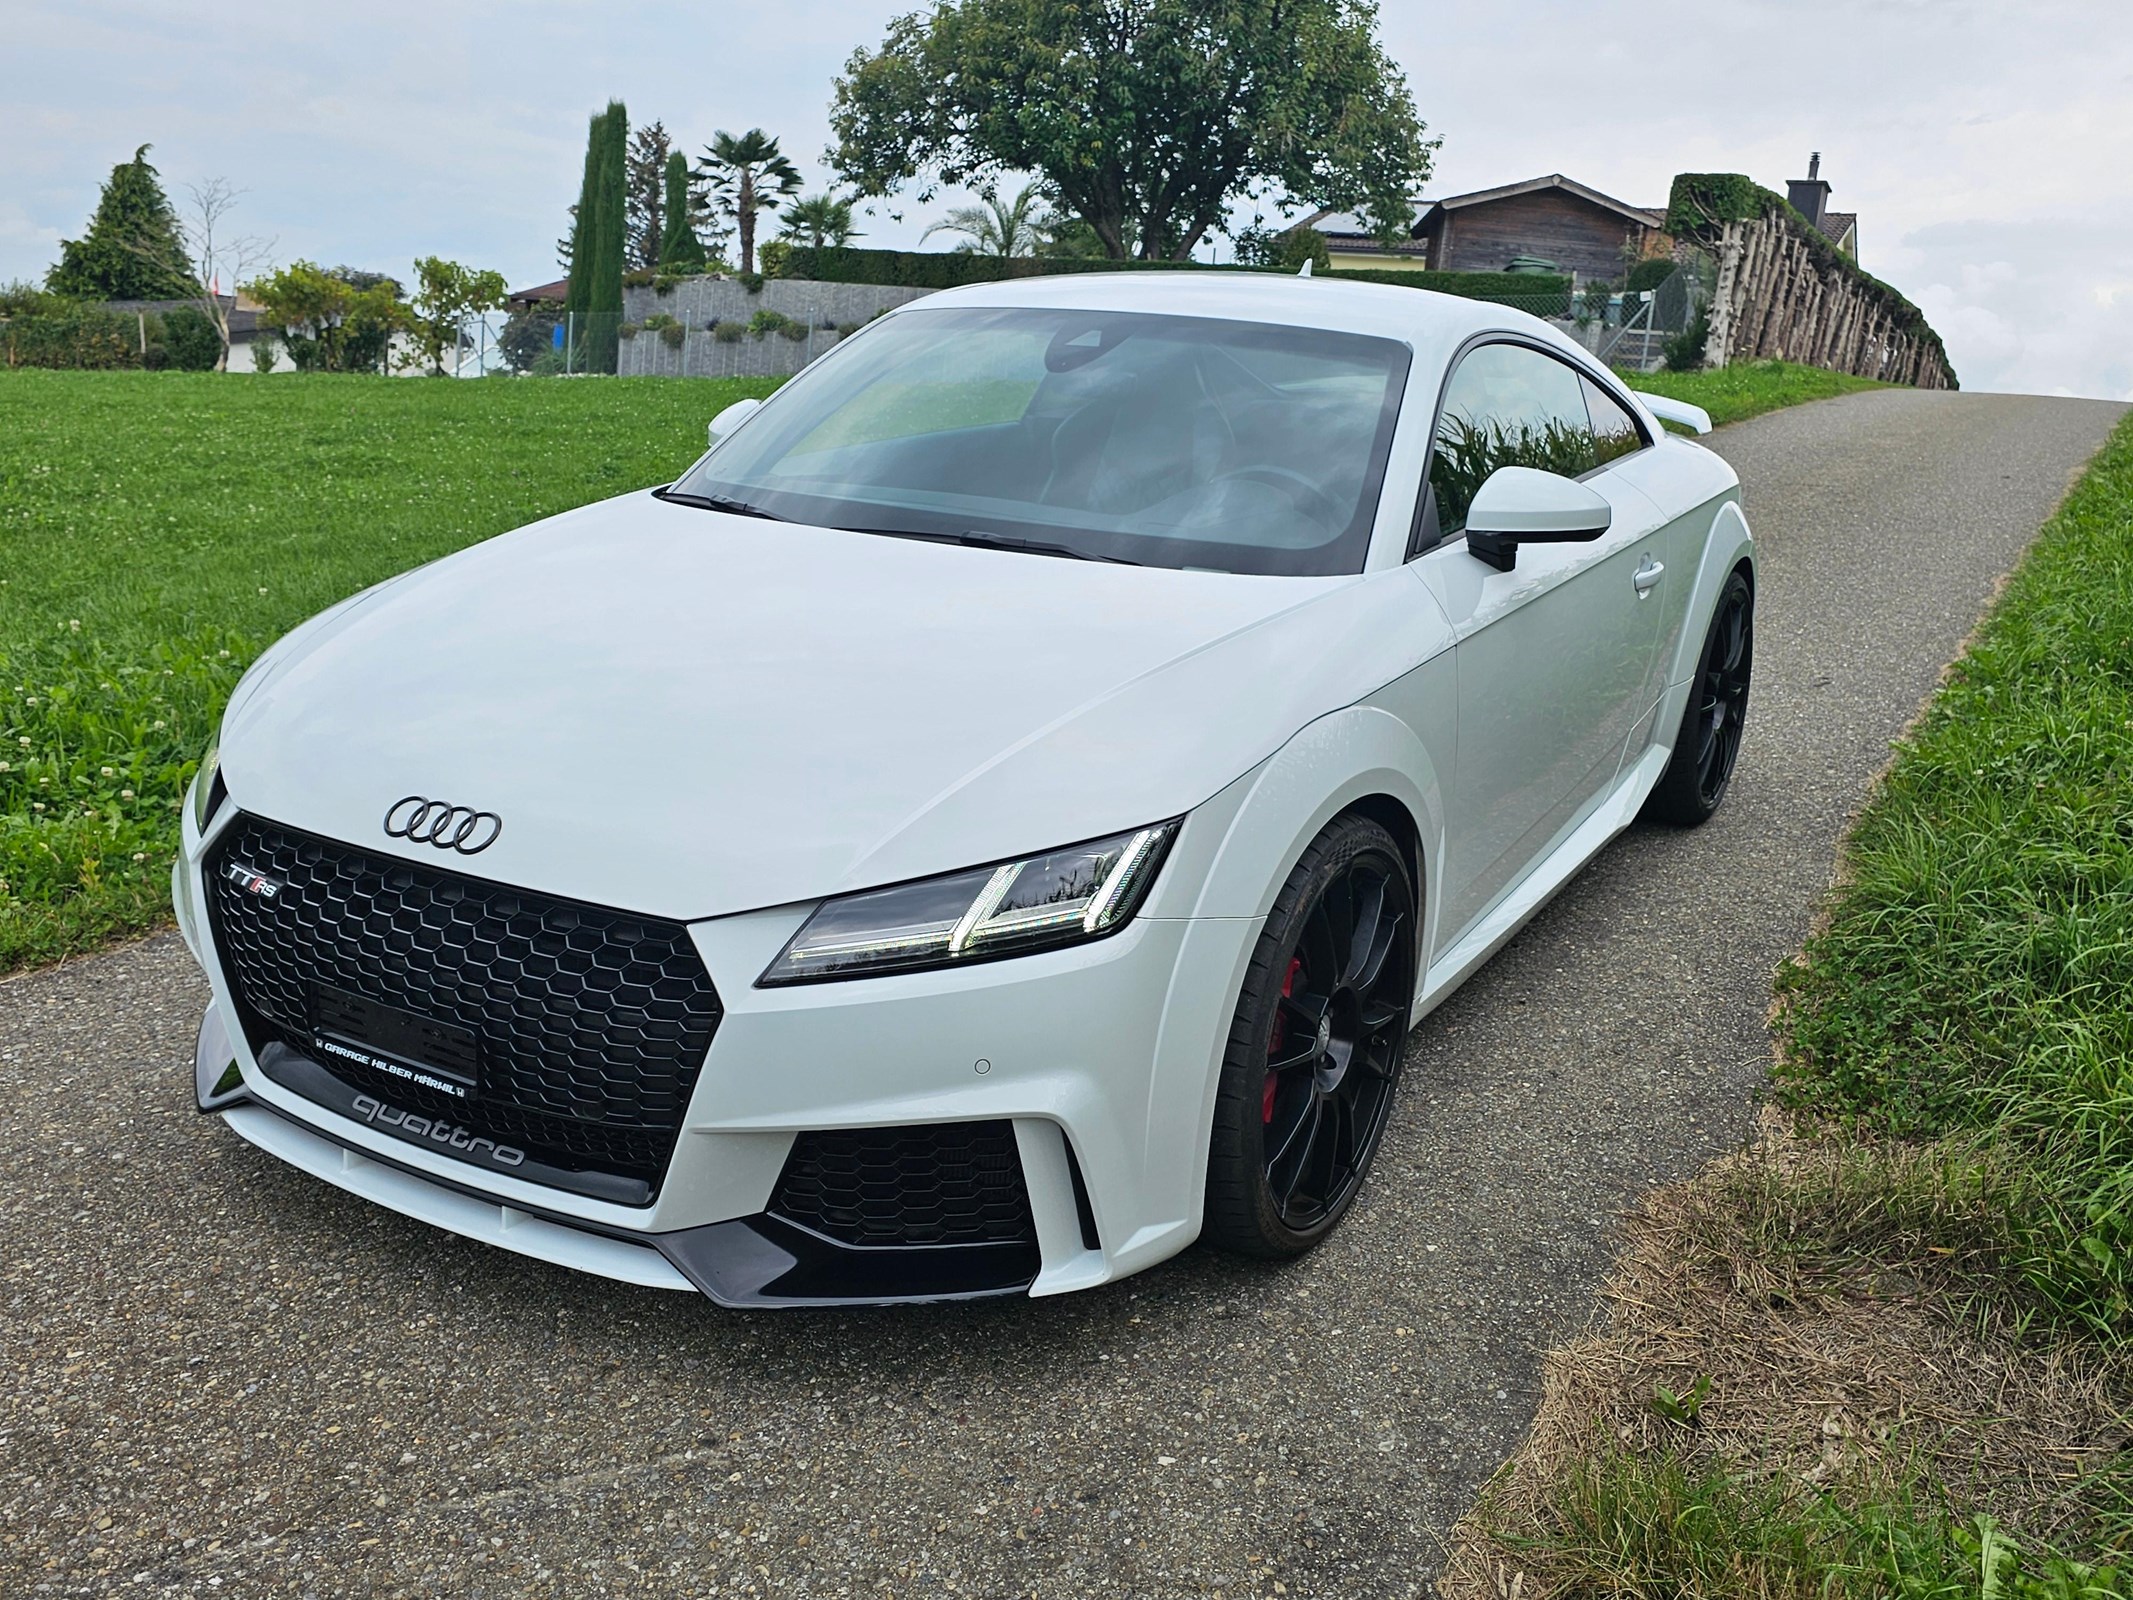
[[687, 714]]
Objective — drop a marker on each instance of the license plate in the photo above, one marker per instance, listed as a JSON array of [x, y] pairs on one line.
[[419, 1050]]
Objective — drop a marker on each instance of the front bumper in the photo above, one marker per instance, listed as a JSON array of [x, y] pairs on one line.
[[1101, 1059]]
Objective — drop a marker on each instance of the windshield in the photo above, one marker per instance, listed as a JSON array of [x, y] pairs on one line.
[[1167, 441]]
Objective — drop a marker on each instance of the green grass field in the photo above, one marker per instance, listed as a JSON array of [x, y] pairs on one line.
[[158, 530], [1733, 394]]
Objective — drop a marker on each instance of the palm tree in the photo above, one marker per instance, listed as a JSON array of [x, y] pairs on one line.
[[748, 175], [820, 220], [996, 227]]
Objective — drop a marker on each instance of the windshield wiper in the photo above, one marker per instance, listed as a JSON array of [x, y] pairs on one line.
[[718, 502], [978, 539]]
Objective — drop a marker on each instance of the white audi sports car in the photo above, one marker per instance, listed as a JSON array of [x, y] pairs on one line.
[[995, 818]]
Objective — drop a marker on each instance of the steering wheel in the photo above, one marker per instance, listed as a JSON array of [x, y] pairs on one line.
[[1305, 495]]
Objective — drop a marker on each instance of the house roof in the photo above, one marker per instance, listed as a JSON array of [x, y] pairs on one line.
[[1646, 216], [539, 294], [1353, 234], [1839, 224]]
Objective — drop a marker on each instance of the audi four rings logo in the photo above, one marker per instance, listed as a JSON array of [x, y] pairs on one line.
[[440, 823]]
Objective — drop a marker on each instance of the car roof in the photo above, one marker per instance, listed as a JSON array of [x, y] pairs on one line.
[[1386, 310]]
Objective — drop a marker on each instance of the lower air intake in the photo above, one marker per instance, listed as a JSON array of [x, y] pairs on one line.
[[948, 1183]]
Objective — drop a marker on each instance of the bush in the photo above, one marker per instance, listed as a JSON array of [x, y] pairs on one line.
[[769, 321], [194, 343], [1684, 352], [729, 332], [671, 333], [1649, 274]]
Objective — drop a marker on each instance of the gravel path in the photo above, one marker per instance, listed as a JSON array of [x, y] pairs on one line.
[[218, 1376]]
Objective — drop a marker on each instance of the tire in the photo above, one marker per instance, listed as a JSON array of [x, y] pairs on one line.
[[1314, 1052], [1696, 778]]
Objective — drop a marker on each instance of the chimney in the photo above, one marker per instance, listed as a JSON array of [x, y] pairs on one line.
[[1810, 195]]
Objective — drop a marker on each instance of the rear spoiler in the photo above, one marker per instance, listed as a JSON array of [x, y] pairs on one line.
[[1694, 417]]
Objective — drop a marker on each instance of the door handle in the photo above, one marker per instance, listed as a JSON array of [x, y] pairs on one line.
[[1646, 578]]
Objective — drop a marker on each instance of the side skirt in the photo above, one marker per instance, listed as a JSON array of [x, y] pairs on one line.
[[1541, 884]]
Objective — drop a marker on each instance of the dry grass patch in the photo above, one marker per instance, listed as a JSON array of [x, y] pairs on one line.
[[1793, 1345]]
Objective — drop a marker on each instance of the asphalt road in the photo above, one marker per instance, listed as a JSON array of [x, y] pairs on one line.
[[220, 1377]]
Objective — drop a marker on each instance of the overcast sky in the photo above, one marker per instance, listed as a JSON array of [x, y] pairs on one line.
[[1987, 147]]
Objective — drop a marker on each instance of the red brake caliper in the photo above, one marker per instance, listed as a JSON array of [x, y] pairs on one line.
[[1274, 1044]]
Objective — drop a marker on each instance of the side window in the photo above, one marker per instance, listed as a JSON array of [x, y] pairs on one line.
[[1614, 431], [1507, 406]]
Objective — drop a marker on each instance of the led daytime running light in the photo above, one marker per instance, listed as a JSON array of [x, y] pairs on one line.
[[1040, 902]]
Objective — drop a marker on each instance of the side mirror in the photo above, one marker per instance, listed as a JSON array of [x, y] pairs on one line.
[[732, 417], [1522, 505]]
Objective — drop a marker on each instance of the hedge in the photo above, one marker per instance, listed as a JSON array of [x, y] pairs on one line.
[[937, 269], [950, 269], [78, 336], [1507, 288]]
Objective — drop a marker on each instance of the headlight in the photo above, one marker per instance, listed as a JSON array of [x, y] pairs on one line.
[[208, 788], [1081, 892]]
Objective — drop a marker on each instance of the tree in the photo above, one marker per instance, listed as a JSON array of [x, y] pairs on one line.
[[594, 294], [132, 250], [1153, 116], [680, 250], [1288, 248], [645, 177], [820, 220], [215, 254], [997, 227], [748, 175], [331, 321], [446, 294]]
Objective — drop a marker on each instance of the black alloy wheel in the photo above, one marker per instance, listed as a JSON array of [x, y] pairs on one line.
[[1708, 745], [1314, 1054]]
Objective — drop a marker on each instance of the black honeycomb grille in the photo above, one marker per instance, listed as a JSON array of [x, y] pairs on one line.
[[943, 1183], [591, 1025]]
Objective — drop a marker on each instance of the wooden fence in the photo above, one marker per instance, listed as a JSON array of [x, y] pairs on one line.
[[1785, 291]]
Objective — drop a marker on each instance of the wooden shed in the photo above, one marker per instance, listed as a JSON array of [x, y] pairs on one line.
[[1554, 219]]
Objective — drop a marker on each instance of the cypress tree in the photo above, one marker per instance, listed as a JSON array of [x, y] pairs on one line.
[[679, 248], [594, 292], [577, 292], [132, 250]]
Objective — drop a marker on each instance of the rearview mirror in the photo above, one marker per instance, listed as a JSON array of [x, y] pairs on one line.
[[732, 417], [1523, 505]]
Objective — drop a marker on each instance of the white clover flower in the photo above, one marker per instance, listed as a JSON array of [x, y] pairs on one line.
[[31, 701], [36, 805], [138, 856], [109, 772], [222, 655], [73, 624], [24, 743], [4, 767], [125, 794], [160, 725]]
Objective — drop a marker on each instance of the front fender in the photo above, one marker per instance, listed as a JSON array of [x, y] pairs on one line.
[[1727, 546]]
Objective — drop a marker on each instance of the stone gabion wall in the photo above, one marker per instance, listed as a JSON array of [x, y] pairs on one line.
[[699, 304]]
